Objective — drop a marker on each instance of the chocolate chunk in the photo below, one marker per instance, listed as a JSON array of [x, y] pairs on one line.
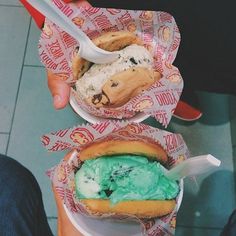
[[111, 179], [108, 192], [100, 98], [133, 61], [76, 169], [105, 99], [91, 87], [114, 84], [96, 98], [115, 173]]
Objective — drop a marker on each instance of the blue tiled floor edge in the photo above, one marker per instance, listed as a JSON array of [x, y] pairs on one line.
[[194, 231]]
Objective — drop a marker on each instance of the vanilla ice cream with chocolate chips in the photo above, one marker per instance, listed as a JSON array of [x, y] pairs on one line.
[[133, 56]]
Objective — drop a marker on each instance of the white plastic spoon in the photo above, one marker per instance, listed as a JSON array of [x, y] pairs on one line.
[[193, 166], [87, 48]]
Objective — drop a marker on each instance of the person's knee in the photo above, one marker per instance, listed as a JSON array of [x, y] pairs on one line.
[[17, 183], [21, 206]]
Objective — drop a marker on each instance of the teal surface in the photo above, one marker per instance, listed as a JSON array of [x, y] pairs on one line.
[[32, 56], [3, 143], [26, 113], [184, 231], [14, 26], [10, 2]]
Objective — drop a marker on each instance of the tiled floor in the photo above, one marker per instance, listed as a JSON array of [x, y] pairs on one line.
[[26, 113]]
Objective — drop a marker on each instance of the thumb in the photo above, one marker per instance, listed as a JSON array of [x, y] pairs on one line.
[[59, 89]]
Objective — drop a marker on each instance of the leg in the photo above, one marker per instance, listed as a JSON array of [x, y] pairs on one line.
[[230, 227], [21, 206]]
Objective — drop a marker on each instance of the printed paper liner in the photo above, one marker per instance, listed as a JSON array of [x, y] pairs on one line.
[[160, 34]]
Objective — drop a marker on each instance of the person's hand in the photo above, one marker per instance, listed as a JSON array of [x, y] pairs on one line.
[[64, 225], [59, 89]]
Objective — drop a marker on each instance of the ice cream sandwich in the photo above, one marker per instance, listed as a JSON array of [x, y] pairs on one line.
[[125, 177], [114, 84]]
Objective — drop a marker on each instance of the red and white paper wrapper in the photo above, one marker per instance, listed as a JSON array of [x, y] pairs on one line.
[[62, 175], [160, 35]]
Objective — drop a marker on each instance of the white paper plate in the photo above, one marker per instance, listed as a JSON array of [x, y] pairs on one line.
[[94, 119], [103, 227], [107, 227]]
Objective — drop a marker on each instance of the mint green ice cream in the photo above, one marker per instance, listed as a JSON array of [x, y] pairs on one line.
[[124, 177]]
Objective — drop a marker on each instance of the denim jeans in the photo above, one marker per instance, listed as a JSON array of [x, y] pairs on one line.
[[230, 227], [21, 207]]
